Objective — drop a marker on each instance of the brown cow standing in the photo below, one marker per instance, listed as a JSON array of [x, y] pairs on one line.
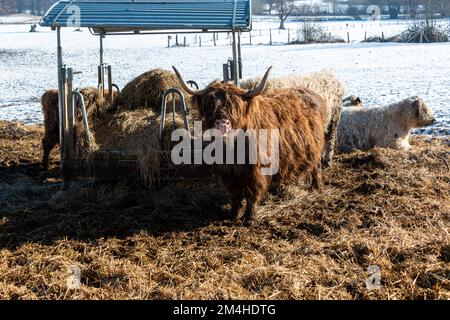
[[298, 113], [49, 102]]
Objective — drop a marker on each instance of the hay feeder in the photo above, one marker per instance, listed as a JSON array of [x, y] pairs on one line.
[[131, 18]]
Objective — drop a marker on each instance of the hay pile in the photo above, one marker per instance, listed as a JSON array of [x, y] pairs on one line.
[[96, 106], [146, 90], [382, 207], [136, 133], [128, 133]]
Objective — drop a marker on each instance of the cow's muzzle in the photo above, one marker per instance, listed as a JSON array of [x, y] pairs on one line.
[[223, 125]]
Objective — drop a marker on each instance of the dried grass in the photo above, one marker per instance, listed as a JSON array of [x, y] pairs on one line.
[[381, 207], [146, 90]]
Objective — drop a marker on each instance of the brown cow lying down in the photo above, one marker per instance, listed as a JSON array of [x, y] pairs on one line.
[[49, 102], [299, 114]]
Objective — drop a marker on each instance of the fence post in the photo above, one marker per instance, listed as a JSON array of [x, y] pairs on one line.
[[382, 35], [250, 35], [200, 40], [184, 41], [168, 41], [176, 40], [214, 39], [270, 31], [365, 36], [289, 35], [348, 37]]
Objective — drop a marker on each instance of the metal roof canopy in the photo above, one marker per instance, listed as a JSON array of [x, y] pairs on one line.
[[170, 16]]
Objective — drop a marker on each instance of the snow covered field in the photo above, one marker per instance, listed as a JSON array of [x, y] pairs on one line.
[[378, 73]]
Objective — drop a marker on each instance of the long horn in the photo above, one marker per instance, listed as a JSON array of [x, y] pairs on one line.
[[262, 85], [184, 85]]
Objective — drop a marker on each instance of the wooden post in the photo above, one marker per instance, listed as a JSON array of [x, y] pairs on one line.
[[214, 39], [176, 40], [365, 36], [348, 37], [168, 41], [250, 37], [184, 42], [200, 40], [270, 30], [289, 35], [382, 36]]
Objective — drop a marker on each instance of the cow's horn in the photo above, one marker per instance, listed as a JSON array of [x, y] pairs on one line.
[[262, 85], [185, 86]]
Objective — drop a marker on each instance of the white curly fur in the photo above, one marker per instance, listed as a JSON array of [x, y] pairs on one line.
[[384, 126]]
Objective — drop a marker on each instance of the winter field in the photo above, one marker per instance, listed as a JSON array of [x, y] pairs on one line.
[[379, 229], [379, 73]]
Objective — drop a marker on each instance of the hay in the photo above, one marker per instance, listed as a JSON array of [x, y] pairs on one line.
[[127, 133], [133, 134], [382, 207], [96, 106], [136, 133], [147, 90]]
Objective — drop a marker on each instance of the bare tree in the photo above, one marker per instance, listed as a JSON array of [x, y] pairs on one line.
[[284, 8]]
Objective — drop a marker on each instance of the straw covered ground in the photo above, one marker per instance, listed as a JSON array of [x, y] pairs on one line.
[[383, 208]]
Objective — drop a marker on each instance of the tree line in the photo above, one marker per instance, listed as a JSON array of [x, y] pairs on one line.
[[393, 8], [34, 7]]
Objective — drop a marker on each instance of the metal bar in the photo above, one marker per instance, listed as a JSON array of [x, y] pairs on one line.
[[239, 55], [234, 14], [101, 76], [235, 61], [70, 113], [60, 95], [65, 120], [80, 100], [110, 84], [184, 110], [139, 32]]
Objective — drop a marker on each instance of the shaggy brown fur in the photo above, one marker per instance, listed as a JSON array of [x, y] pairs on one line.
[[328, 86], [299, 114], [49, 102]]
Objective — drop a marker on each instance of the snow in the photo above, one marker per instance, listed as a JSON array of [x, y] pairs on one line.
[[379, 73]]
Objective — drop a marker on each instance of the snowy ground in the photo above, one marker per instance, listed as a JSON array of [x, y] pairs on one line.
[[378, 73]]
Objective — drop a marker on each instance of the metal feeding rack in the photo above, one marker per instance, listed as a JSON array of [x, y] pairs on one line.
[[108, 18]]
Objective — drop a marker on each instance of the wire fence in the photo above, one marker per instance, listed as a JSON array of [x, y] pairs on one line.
[[344, 31]]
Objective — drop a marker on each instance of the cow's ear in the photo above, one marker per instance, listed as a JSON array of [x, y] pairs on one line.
[[418, 107]]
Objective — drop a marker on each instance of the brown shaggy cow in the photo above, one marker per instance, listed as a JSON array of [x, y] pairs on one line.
[[299, 114], [49, 102]]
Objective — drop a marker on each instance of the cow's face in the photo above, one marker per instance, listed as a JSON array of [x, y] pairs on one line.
[[422, 113], [222, 106]]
